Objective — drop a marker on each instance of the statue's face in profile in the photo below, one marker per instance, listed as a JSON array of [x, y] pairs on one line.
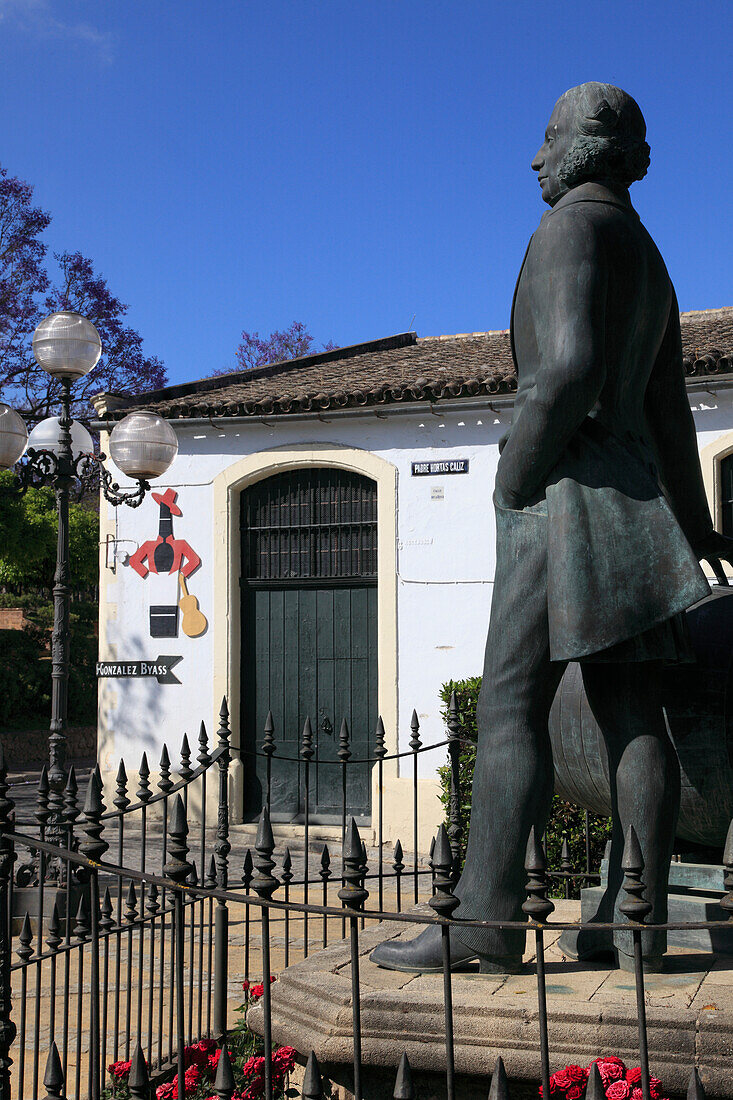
[[560, 134]]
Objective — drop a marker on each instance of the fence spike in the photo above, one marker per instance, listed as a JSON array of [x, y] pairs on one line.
[[82, 928], [727, 901], [144, 793], [210, 880], [397, 863], [224, 1080], [353, 894], [268, 742], [306, 745], [380, 746], [121, 801], [223, 730], [695, 1091], [53, 939], [203, 757], [325, 871], [344, 752], [264, 882], [537, 906], [312, 1088], [71, 801], [632, 864], [185, 771], [415, 742], [443, 900], [43, 811], [53, 1078], [193, 875], [595, 1089], [499, 1085], [164, 782], [152, 905], [403, 1086], [131, 903], [177, 868], [105, 921], [25, 939], [247, 870], [287, 871], [93, 844], [139, 1081]]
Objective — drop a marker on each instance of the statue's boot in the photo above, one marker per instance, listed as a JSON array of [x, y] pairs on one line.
[[424, 955]]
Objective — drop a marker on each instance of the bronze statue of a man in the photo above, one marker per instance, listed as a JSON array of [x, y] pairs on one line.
[[601, 520]]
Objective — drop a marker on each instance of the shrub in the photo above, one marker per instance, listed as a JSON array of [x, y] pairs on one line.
[[566, 820]]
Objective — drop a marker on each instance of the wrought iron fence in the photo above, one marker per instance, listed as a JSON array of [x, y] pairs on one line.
[[120, 959]]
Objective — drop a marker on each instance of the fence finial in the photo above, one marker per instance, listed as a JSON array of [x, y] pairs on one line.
[[312, 1081], [177, 867], [403, 1086], [306, 744], [264, 882], [595, 1089], [93, 846], [499, 1089], [353, 894], [632, 864], [203, 757], [695, 1091], [415, 742], [344, 752], [144, 794], [224, 1080], [537, 906], [53, 1078], [185, 770], [268, 741], [121, 801], [380, 739], [444, 900], [164, 782], [139, 1082]]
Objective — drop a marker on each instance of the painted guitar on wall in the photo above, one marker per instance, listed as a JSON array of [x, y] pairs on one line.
[[194, 621]]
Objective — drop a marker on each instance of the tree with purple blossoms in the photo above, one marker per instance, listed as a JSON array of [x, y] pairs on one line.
[[280, 345], [28, 293]]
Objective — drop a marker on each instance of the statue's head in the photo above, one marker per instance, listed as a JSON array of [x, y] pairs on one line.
[[595, 132]]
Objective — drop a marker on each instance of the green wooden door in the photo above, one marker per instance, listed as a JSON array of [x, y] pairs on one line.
[[309, 636]]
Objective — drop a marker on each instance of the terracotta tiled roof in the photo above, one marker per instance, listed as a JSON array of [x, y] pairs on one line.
[[402, 368]]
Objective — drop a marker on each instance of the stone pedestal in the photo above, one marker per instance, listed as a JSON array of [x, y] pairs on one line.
[[695, 893], [592, 1011]]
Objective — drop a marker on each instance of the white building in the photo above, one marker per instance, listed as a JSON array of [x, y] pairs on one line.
[[340, 506]]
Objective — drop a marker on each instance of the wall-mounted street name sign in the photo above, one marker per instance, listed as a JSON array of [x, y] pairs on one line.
[[160, 668], [446, 466]]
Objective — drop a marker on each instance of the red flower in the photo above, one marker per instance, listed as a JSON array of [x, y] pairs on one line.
[[245, 986], [120, 1070], [199, 1053], [637, 1094], [562, 1079], [191, 1081], [618, 1090], [256, 991], [575, 1092], [610, 1069], [577, 1074], [633, 1076]]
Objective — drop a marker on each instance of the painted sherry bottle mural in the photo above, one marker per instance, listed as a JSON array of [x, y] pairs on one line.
[[166, 557]]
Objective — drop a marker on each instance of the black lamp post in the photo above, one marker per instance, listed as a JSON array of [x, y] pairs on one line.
[[143, 446]]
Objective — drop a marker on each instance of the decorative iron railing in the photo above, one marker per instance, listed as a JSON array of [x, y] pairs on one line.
[[106, 958]]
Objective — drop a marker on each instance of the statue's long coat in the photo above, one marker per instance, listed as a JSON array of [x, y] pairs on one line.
[[601, 423]]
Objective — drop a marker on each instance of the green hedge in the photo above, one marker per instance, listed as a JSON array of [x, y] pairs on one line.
[[25, 659], [565, 820]]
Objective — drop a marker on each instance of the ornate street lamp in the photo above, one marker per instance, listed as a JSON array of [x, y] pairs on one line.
[[59, 452]]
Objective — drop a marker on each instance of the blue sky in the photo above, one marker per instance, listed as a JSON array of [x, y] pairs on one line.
[[353, 164]]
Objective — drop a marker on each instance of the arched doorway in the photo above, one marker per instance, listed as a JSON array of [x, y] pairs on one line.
[[309, 634]]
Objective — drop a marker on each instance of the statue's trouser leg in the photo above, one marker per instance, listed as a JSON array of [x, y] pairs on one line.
[[513, 777], [645, 784]]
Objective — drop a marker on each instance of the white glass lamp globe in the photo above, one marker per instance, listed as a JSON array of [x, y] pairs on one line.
[[13, 436], [143, 445], [66, 345], [46, 436]]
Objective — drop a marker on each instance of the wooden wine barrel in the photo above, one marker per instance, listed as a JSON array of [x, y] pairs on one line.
[[699, 707]]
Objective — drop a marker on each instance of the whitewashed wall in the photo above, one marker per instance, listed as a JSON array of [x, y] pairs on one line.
[[444, 556]]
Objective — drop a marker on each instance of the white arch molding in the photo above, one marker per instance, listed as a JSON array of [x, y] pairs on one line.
[[226, 618]]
